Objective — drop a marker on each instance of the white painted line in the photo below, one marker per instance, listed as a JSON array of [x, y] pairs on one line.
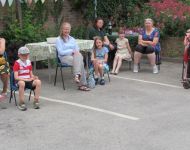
[[150, 82], [89, 108]]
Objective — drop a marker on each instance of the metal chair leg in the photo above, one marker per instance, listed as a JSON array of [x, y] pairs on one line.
[[159, 67], [30, 95], [11, 96], [55, 80], [62, 78], [109, 77], [15, 98], [130, 64]]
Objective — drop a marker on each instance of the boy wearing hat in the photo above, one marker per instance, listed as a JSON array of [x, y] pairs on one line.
[[25, 78]]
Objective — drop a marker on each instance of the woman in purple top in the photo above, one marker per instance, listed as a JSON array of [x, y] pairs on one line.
[[148, 43]]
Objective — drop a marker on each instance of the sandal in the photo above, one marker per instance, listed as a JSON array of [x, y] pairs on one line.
[[77, 78], [83, 88]]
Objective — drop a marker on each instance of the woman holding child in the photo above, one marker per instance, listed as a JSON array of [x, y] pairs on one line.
[[148, 43]]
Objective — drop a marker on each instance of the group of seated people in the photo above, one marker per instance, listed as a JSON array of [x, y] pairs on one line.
[[69, 53]]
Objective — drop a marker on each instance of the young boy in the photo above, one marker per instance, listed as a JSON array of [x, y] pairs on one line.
[[25, 78]]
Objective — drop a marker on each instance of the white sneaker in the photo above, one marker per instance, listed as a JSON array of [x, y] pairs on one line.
[[155, 69], [136, 69]]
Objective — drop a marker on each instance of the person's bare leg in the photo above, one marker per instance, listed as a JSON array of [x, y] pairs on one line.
[[96, 65], [37, 84], [101, 70], [137, 57], [119, 65], [115, 64], [21, 85], [152, 58], [4, 79]]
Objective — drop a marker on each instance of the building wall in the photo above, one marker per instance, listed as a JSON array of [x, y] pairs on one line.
[[68, 14]]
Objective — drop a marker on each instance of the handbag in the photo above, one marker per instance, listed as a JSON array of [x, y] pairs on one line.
[[91, 81], [2, 60]]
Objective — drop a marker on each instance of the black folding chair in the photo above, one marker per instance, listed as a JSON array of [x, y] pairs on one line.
[[61, 66]]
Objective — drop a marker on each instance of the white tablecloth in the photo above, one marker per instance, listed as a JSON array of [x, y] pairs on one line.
[[43, 50]]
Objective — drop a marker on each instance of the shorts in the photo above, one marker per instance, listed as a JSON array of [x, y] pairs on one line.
[[145, 49], [28, 85]]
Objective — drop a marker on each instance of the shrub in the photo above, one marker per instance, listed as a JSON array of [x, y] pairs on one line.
[[172, 17], [79, 32]]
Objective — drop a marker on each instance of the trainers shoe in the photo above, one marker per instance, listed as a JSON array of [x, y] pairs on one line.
[[135, 69], [155, 69], [36, 105], [22, 107], [102, 82]]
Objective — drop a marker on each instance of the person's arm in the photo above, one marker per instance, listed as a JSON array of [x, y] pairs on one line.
[[128, 47], [186, 41], [151, 43], [106, 55], [33, 77], [93, 57], [155, 40], [77, 48], [107, 42], [2, 46], [140, 41], [20, 79], [106, 58], [62, 49]]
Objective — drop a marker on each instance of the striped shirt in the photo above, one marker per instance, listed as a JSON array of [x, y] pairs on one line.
[[23, 68]]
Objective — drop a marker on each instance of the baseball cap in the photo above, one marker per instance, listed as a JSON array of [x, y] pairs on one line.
[[23, 50]]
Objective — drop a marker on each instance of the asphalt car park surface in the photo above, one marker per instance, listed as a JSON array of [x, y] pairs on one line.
[[141, 111]]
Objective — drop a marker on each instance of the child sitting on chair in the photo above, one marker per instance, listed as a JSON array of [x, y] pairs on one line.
[[99, 59], [123, 52], [25, 78]]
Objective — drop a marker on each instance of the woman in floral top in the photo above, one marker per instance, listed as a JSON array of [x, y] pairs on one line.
[[148, 44]]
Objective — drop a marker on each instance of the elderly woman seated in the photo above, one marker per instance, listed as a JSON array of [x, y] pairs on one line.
[[148, 43], [68, 53], [4, 70]]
